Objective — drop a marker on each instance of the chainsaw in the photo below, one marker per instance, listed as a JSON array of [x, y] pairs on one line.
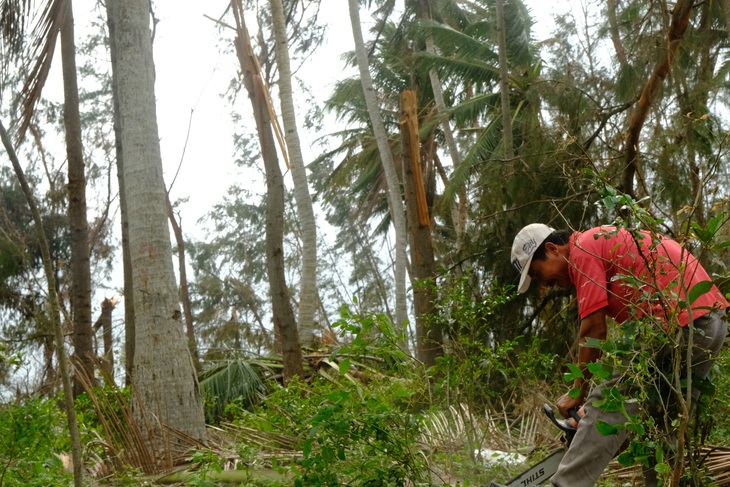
[[543, 470]]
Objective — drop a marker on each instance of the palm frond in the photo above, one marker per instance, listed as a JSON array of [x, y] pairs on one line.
[[518, 26], [453, 43], [229, 381], [45, 35], [467, 68], [482, 150], [472, 109], [347, 101], [13, 14]]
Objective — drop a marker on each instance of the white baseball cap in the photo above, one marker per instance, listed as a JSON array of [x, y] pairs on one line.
[[523, 248]]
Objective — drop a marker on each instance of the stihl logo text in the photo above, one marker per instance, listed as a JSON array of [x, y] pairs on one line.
[[533, 478]]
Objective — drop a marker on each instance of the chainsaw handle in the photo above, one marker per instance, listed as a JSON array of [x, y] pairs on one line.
[[574, 414], [562, 424]]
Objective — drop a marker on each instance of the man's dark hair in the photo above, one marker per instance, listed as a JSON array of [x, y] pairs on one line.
[[558, 237]]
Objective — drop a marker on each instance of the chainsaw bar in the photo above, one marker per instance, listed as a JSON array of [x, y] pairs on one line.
[[536, 474]]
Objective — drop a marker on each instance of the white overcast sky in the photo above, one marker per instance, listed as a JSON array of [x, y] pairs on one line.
[[191, 75]]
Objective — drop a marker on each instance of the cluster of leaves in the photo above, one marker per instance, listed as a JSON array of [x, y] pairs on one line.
[[481, 366]]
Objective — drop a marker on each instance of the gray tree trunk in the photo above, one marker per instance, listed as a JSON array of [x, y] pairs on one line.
[[395, 201], [308, 285], [163, 372]]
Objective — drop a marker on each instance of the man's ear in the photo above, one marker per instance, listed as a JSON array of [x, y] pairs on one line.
[[551, 248]]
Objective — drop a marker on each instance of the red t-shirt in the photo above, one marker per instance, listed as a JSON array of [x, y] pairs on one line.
[[609, 270]]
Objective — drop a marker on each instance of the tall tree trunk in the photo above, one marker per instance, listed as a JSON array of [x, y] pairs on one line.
[[129, 320], [504, 84], [308, 286], [54, 311], [429, 337], [395, 200], [618, 45], [285, 325], [680, 18], [48, 386], [164, 374], [78, 224]]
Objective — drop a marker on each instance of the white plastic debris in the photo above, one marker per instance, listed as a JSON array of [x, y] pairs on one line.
[[496, 457]]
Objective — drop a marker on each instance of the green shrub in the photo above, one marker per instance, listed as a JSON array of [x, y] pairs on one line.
[[32, 432], [354, 422]]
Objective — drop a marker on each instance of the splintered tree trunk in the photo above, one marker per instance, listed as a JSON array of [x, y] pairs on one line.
[[429, 337], [285, 325], [78, 224], [105, 323], [308, 287], [165, 379]]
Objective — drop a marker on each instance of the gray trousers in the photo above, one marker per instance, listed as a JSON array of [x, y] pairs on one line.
[[590, 451]]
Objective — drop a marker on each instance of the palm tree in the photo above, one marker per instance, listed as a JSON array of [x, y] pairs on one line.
[[308, 284], [395, 201], [78, 223], [164, 375], [57, 19]]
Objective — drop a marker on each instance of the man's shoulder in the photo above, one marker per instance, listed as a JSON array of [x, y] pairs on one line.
[[596, 236]]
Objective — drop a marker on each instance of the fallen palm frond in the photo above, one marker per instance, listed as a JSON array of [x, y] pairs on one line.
[[458, 427], [126, 434], [449, 430], [715, 459], [232, 380], [264, 439], [123, 441]]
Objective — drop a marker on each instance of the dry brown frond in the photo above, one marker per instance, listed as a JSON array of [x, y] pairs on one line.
[[223, 441], [126, 437], [13, 14], [715, 459], [43, 45]]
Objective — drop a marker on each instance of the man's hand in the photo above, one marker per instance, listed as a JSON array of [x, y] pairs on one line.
[[565, 403], [572, 421]]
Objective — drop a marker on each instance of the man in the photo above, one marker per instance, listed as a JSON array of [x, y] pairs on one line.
[[617, 274]]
